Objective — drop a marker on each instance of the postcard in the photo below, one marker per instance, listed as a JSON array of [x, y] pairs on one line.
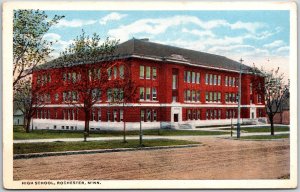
[[149, 95]]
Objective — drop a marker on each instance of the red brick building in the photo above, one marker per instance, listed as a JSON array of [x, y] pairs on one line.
[[176, 87]]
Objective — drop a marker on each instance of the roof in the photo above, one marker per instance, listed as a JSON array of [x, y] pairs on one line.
[[145, 48]]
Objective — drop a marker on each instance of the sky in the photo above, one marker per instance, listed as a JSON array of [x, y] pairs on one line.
[[258, 37]]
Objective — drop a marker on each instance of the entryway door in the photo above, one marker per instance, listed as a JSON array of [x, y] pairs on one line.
[[175, 117]]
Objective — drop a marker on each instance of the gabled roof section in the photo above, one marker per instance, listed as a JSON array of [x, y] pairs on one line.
[[145, 48], [151, 49]]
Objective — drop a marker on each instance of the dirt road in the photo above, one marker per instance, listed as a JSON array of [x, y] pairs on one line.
[[216, 159]]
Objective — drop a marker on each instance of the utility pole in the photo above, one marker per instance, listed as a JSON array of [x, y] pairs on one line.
[[238, 129]]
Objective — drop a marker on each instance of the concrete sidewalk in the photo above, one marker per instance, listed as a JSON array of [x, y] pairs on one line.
[[184, 137]]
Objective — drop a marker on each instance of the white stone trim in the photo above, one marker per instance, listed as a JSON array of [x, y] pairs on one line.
[[158, 105]]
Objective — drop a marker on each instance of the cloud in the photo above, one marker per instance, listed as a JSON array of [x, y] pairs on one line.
[[249, 26], [284, 51], [111, 17], [58, 46], [274, 44], [200, 33], [160, 25], [74, 23]]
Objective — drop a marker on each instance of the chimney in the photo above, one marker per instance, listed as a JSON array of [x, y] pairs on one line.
[[145, 39]]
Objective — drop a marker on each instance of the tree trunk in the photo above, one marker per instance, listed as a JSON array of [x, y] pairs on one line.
[[272, 125], [124, 126], [87, 123], [27, 124]]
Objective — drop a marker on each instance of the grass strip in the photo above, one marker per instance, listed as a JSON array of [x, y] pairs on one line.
[[260, 129], [25, 148], [20, 134], [266, 137]]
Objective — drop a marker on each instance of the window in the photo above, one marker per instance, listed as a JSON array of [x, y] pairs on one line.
[[215, 79], [193, 95], [230, 82], [174, 82], [73, 114], [154, 94], [189, 115], [154, 75], [109, 73], [193, 77], [219, 80], [185, 76], [74, 77], [198, 114], [207, 114], [148, 93], [226, 97], [147, 72], [115, 115], [148, 115], [219, 114], [185, 95], [219, 96], [198, 96], [142, 72], [108, 115], [211, 96], [215, 97], [74, 95], [250, 88], [62, 127], [233, 97], [142, 115], [56, 96], [115, 72], [206, 97], [233, 81], [121, 71], [142, 93], [198, 78], [109, 95], [121, 115], [93, 115], [154, 115], [99, 114], [210, 79], [188, 77], [206, 79], [226, 80], [259, 98], [64, 96], [188, 95]]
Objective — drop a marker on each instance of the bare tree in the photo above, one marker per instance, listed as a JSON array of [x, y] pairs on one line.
[[29, 97], [124, 91], [29, 46], [273, 89]]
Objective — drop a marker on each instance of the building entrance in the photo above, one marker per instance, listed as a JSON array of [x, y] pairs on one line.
[[175, 117]]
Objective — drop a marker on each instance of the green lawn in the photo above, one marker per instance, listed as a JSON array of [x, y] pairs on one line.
[[19, 133], [23, 148], [280, 136], [261, 129]]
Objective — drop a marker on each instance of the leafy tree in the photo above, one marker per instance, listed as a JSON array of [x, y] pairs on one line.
[[29, 47], [274, 90], [85, 65]]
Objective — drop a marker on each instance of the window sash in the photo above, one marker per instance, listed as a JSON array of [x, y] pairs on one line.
[[142, 93], [148, 93], [148, 72], [154, 75], [142, 72]]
